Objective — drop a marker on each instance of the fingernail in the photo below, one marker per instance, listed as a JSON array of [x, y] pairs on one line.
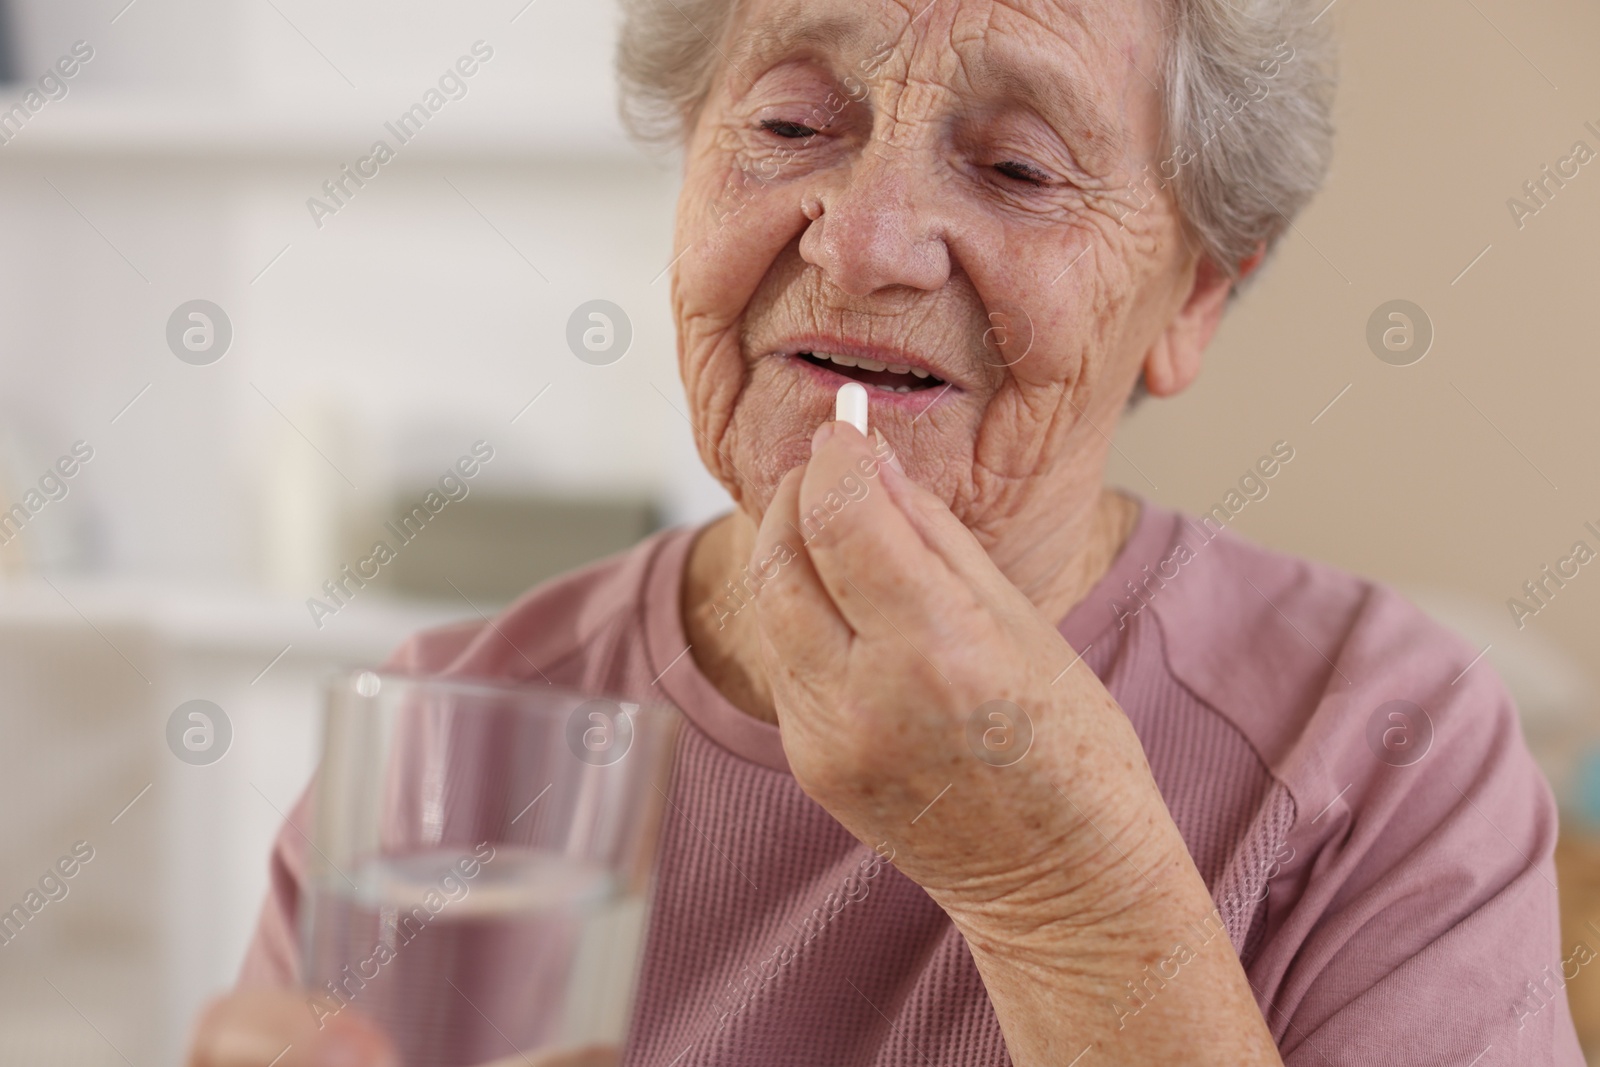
[[820, 438]]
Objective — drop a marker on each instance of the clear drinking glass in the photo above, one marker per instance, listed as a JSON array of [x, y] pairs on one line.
[[480, 866]]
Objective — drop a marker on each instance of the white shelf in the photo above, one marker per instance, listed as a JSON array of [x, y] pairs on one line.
[[208, 619], [177, 128]]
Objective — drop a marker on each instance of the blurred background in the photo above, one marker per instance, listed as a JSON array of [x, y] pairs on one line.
[[349, 354]]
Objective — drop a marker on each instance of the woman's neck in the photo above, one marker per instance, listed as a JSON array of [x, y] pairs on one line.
[[1056, 572]]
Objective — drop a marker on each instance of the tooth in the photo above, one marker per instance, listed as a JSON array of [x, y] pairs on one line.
[[919, 372], [896, 368], [871, 365], [843, 361]]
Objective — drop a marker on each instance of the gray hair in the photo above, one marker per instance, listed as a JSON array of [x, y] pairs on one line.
[[1248, 132]]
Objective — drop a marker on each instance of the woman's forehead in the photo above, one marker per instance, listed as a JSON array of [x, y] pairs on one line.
[[1071, 29], [1068, 60]]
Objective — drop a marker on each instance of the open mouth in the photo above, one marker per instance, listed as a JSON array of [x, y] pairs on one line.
[[891, 377]]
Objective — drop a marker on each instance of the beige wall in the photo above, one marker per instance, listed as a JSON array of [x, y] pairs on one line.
[[1440, 121]]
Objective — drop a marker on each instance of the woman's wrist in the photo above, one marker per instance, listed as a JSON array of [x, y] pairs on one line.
[[1107, 900], [1140, 971], [1072, 836]]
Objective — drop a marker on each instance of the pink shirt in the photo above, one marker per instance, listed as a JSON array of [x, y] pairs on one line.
[[1392, 898]]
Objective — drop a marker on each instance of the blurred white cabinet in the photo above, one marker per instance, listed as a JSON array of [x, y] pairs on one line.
[[158, 919]]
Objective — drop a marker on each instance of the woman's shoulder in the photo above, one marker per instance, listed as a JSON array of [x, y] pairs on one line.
[[1418, 846], [1357, 701], [1273, 640]]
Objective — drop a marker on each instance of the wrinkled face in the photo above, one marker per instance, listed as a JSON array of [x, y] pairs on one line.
[[932, 198]]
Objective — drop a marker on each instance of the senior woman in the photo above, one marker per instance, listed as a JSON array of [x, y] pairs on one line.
[[1214, 839]]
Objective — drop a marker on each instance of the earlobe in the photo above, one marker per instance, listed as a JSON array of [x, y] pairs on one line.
[[1174, 360]]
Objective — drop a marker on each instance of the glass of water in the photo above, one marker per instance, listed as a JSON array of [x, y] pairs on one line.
[[480, 866]]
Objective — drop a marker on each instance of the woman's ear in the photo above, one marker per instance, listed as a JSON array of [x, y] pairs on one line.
[[1174, 360]]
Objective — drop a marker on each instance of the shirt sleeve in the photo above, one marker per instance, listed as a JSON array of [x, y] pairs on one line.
[[1422, 924], [273, 956]]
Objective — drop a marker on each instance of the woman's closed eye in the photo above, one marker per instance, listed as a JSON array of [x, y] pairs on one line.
[[785, 128], [1017, 170]]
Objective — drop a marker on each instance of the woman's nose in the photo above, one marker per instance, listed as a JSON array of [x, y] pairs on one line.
[[879, 225]]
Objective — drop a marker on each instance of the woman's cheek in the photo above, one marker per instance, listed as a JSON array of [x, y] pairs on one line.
[[752, 220], [1045, 328], [741, 221], [1088, 319]]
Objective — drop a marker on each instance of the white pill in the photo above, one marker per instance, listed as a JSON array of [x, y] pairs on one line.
[[851, 406]]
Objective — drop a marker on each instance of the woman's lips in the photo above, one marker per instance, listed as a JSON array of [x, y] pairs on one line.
[[883, 387], [892, 377]]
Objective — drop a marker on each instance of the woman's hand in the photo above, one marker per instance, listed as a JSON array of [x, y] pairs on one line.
[[897, 653], [923, 701], [262, 1027], [258, 1027]]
